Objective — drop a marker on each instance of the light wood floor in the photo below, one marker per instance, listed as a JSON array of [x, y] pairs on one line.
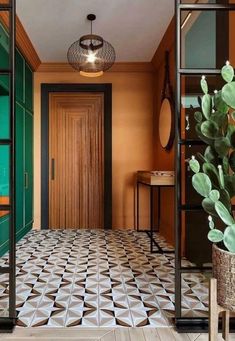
[[103, 334]]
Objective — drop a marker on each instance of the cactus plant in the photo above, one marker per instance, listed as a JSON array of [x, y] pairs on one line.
[[214, 172]]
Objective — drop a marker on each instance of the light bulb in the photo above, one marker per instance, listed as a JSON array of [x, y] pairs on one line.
[[91, 58]]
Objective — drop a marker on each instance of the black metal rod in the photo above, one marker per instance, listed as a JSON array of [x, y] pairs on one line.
[[4, 270], [5, 207], [191, 142], [5, 142], [198, 72], [199, 325], [7, 324], [158, 207], [137, 207], [12, 232], [151, 219], [207, 7], [189, 207], [195, 269], [177, 165], [159, 250], [5, 72], [5, 7]]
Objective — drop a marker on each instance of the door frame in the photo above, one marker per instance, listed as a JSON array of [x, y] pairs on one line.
[[46, 89]]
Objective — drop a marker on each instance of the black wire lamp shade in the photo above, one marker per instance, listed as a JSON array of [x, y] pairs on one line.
[[91, 55]]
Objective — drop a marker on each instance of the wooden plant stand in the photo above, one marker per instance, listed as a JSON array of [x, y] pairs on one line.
[[214, 310]]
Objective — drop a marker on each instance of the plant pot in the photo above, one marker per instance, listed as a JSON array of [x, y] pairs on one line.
[[224, 272]]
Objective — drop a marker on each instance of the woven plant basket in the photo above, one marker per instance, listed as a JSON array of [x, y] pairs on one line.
[[224, 272]]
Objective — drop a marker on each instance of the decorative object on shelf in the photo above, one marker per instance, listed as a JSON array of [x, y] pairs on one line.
[[166, 116], [91, 55], [214, 179], [187, 121]]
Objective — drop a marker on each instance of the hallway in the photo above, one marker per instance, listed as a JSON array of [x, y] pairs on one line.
[[95, 278]]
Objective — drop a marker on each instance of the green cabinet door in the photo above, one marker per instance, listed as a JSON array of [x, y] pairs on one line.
[[4, 197], [19, 77], [4, 234], [4, 49], [4, 57], [19, 168], [28, 88], [4, 117], [28, 168]]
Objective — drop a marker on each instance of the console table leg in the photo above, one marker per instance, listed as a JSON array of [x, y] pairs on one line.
[[214, 316], [225, 325], [137, 206], [151, 217], [158, 208]]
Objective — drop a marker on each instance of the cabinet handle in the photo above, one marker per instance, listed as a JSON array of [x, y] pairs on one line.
[[26, 180], [52, 169]]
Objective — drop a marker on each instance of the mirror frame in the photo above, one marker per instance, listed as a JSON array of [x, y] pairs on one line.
[[171, 136], [167, 93]]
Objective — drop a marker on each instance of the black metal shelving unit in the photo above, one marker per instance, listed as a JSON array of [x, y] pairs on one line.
[[7, 323], [184, 324]]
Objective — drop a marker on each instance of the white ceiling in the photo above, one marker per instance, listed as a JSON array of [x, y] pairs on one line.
[[134, 27]]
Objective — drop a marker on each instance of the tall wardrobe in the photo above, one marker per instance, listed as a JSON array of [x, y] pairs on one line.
[[24, 144]]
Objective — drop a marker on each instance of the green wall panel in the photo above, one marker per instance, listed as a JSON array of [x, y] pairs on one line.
[[4, 170], [4, 85], [28, 167], [4, 234], [19, 77], [19, 167], [28, 88], [4, 49]]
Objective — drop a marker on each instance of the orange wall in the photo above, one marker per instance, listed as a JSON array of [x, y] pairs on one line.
[[164, 160], [132, 144], [231, 36]]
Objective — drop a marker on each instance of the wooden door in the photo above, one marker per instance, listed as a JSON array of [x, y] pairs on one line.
[[76, 154]]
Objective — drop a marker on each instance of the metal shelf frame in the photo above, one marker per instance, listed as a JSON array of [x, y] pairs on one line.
[[187, 324], [7, 323]]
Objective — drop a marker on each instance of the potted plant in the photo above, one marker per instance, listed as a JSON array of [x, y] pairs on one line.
[[214, 179]]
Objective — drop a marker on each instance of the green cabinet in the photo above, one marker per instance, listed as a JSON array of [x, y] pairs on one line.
[[28, 88], [28, 168], [4, 48], [4, 234], [20, 65], [20, 131], [24, 145], [4, 197], [4, 173], [4, 117]]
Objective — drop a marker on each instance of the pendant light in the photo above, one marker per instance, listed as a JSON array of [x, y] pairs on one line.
[[91, 55]]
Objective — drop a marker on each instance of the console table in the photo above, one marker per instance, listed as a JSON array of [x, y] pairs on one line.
[[153, 179]]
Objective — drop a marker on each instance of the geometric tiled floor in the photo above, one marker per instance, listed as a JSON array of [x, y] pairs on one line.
[[97, 278]]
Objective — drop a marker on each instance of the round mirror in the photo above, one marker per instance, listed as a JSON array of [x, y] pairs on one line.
[[166, 124]]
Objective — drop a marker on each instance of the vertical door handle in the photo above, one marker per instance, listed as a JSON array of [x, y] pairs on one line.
[[26, 180], [52, 169]]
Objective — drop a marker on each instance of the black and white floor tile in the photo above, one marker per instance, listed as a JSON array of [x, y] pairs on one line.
[[97, 278]]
